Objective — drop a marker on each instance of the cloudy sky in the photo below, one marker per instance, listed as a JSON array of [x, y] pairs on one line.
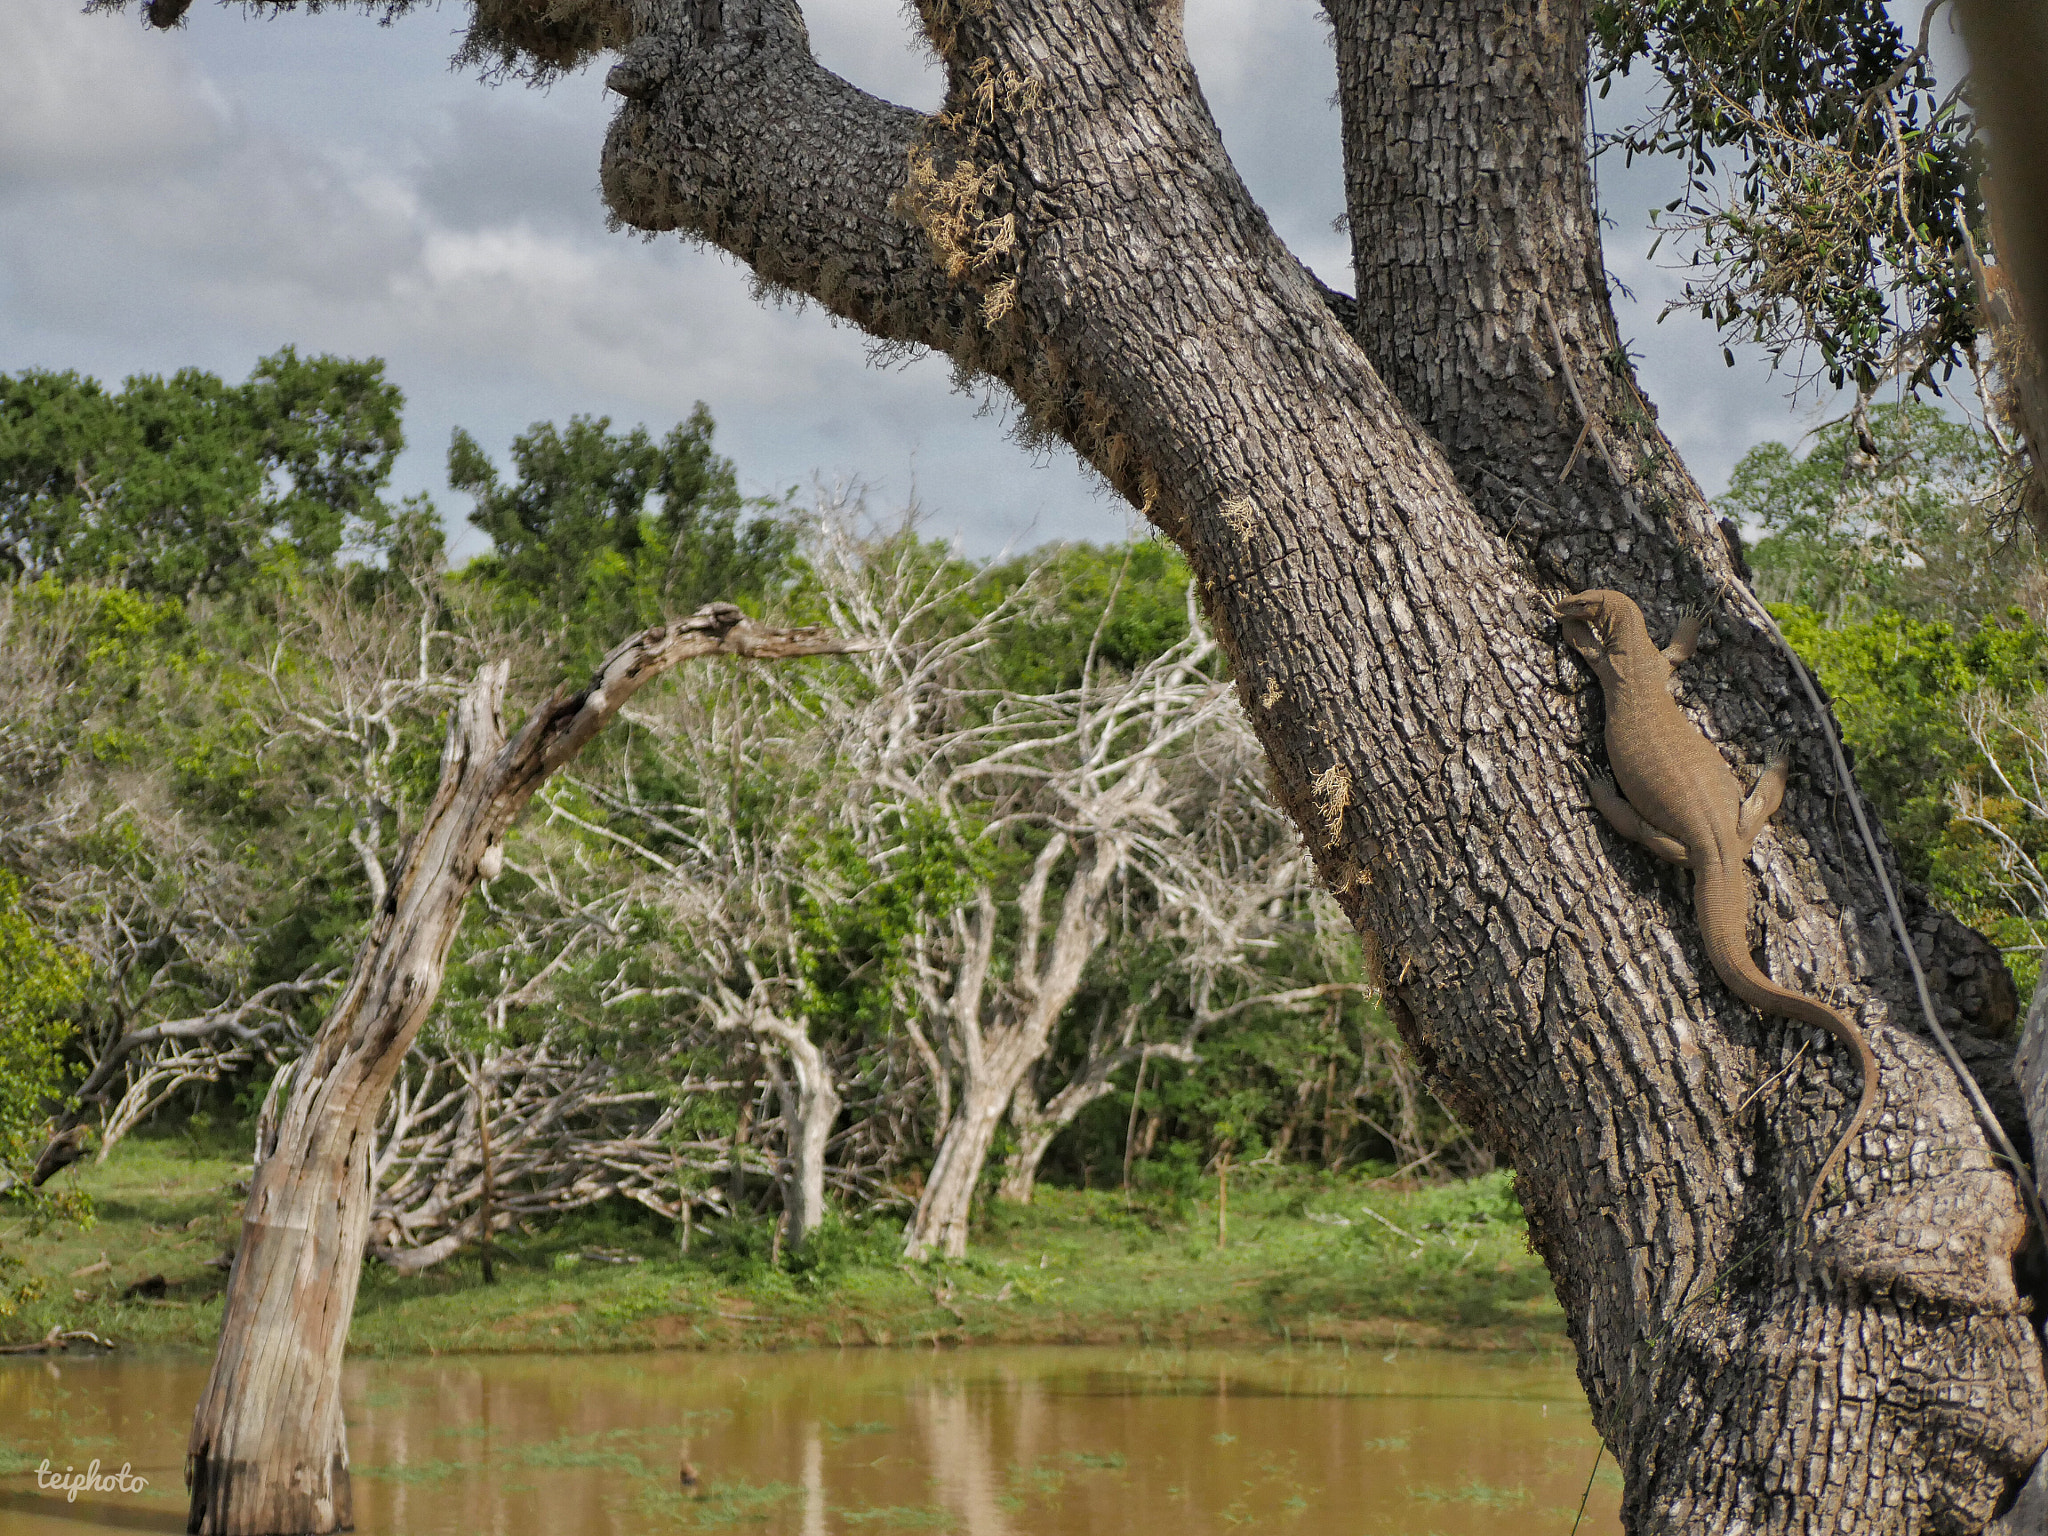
[[202, 197]]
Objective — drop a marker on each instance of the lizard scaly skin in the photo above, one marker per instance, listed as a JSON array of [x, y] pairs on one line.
[[1675, 794]]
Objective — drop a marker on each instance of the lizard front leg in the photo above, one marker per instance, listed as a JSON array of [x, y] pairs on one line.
[[1592, 649], [1625, 819], [1686, 638]]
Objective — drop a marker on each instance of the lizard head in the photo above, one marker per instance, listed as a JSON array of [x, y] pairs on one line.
[[1610, 615], [1610, 625]]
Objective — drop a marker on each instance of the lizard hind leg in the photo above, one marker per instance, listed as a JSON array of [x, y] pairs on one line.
[[1628, 821], [1764, 800]]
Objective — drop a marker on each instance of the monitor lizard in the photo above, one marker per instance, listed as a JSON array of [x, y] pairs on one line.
[[1675, 794]]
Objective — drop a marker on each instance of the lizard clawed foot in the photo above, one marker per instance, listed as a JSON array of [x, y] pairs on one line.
[[1686, 638], [1763, 801]]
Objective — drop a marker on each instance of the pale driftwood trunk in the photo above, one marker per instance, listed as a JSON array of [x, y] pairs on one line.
[[807, 1117], [268, 1455], [1000, 1032]]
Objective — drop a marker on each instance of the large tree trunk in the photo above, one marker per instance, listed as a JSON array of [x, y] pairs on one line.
[[268, 1454], [1482, 299], [1376, 520]]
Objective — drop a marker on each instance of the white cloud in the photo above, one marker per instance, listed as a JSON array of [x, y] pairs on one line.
[[87, 98], [874, 44], [202, 197]]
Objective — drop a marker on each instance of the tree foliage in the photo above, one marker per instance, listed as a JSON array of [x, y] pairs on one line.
[[1830, 181], [600, 530], [1899, 580], [40, 983], [193, 487], [207, 780], [1901, 508]]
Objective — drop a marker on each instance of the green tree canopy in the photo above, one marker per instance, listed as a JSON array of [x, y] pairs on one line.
[[1903, 510], [607, 529], [1125, 603], [39, 983], [1898, 688], [191, 486]]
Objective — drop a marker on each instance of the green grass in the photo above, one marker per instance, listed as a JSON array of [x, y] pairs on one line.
[[1305, 1264], [901, 1517]]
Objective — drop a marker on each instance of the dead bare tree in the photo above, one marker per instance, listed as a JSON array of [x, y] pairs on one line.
[[165, 917], [1223, 875], [563, 1134], [350, 678], [1087, 774], [268, 1451], [1036, 1119]]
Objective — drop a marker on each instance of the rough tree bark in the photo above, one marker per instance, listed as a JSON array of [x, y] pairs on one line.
[[1376, 500], [268, 1452], [1376, 512]]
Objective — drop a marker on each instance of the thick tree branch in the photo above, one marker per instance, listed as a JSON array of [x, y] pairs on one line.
[[731, 132]]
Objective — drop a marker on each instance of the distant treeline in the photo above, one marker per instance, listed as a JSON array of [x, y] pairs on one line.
[[226, 661]]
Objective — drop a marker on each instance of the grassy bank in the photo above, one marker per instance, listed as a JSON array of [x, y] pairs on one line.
[[1308, 1257]]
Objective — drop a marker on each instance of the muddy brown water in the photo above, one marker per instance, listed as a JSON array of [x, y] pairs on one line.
[[987, 1442]]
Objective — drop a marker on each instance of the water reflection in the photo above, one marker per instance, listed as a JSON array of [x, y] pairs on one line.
[[997, 1442]]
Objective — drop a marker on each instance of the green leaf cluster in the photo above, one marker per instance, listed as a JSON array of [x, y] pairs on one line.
[[190, 486], [1832, 236], [873, 897], [1898, 686], [1903, 509], [601, 531], [1124, 604], [40, 983]]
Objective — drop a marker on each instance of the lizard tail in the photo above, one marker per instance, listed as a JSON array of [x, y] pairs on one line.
[[1721, 897]]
